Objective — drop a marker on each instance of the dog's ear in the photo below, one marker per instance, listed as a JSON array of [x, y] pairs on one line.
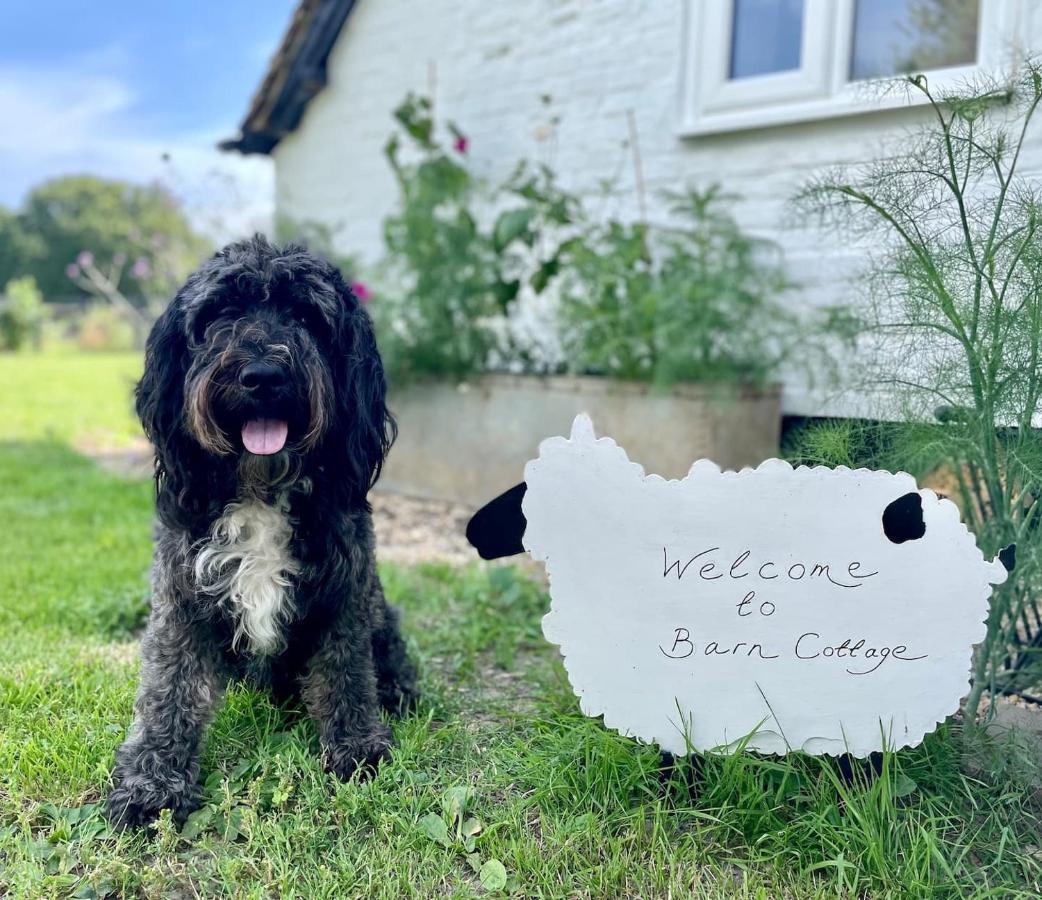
[[365, 428], [159, 400], [160, 392]]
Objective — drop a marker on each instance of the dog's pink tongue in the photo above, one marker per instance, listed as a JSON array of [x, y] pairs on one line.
[[264, 436]]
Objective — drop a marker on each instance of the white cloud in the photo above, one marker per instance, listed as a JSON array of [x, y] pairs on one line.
[[75, 119]]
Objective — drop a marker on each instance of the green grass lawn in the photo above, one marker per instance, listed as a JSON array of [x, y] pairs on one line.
[[65, 396], [496, 773]]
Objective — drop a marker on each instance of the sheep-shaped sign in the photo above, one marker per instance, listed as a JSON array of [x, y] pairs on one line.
[[824, 610]]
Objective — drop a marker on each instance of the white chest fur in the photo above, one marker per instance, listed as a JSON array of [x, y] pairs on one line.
[[247, 564]]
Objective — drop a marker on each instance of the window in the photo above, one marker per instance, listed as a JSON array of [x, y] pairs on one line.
[[751, 63], [894, 36], [765, 37]]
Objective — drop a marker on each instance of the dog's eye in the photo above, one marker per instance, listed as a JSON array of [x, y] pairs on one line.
[[206, 319], [309, 319], [199, 327]]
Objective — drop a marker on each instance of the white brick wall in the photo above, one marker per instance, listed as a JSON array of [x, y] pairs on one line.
[[493, 61]]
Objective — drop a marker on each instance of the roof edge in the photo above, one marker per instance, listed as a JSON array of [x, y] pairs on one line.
[[296, 73]]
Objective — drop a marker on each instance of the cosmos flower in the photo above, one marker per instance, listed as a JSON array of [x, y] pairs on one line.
[[361, 291]]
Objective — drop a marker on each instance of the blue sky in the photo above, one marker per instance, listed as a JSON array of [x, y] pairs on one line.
[[110, 86]]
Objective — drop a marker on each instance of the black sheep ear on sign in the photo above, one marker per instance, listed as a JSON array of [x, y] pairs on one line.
[[1008, 557], [497, 529], [903, 519]]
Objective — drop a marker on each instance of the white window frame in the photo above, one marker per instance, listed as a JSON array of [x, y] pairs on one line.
[[711, 102]]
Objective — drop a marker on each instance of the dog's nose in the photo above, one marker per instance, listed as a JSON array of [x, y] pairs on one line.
[[261, 376]]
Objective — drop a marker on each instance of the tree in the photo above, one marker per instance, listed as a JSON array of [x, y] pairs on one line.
[[17, 249], [137, 231]]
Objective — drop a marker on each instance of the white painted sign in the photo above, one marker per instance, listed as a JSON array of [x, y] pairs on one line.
[[766, 606]]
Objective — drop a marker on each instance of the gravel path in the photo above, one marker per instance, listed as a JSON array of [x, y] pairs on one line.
[[411, 530]]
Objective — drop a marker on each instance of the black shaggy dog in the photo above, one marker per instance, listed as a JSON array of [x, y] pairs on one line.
[[263, 394]]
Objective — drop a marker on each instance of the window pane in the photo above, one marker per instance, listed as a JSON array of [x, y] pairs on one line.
[[895, 36], [765, 36]]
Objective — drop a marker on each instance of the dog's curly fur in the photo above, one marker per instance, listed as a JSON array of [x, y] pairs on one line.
[[264, 564]]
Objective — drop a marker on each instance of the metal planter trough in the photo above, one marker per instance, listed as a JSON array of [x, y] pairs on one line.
[[469, 442]]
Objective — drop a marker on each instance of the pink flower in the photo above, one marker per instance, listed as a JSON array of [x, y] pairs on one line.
[[361, 291], [461, 144], [141, 268], [72, 270], [85, 259]]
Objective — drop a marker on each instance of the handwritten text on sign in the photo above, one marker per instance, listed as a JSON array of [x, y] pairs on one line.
[[823, 610], [862, 658]]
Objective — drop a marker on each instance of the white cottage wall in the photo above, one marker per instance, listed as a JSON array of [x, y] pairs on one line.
[[491, 64]]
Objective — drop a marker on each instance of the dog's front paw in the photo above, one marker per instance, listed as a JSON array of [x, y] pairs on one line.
[[361, 755], [399, 697], [136, 801]]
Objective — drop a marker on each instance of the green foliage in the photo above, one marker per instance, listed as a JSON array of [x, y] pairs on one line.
[[137, 229], [952, 326], [103, 327], [17, 247], [439, 324], [457, 278], [455, 829], [857, 443], [695, 301], [21, 314], [536, 235]]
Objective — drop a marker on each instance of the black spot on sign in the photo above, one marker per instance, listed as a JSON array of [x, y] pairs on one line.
[[497, 529], [903, 519], [1008, 557]]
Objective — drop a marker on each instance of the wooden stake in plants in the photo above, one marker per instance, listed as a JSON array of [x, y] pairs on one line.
[[638, 167]]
